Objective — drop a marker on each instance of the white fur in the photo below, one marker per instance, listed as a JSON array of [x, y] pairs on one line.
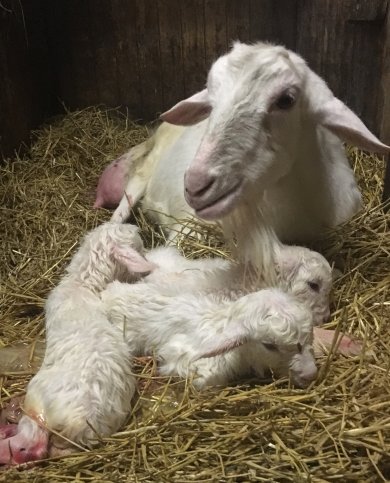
[[142, 160], [85, 382], [282, 170], [184, 305], [301, 272], [188, 332]]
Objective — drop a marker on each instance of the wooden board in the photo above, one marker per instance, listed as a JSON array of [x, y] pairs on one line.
[[345, 49], [193, 45], [383, 118], [145, 55], [25, 73], [274, 21]]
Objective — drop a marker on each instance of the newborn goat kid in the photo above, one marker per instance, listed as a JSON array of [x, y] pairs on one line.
[[301, 272], [188, 311], [215, 340], [84, 387]]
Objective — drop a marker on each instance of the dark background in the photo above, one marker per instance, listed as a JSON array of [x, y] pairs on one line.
[[145, 55]]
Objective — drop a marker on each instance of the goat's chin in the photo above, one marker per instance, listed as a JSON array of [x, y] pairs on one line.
[[222, 206]]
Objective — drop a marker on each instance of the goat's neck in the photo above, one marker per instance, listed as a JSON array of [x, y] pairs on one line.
[[89, 274], [255, 238]]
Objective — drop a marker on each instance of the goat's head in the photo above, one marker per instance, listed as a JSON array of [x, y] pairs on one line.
[[261, 101], [275, 331], [307, 276]]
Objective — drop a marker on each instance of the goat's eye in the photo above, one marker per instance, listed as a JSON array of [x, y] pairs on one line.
[[271, 347], [299, 347], [314, 286], [285, 101]]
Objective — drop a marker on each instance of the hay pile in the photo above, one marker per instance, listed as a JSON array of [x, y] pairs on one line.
[[339, 429]]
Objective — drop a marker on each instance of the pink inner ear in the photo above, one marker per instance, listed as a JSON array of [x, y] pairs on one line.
[[225, 345], [339, 119], [190, 111], [132, 260]]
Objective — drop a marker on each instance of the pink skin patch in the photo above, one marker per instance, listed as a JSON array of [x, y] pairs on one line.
[[111, 184], [8, 430], [323, 341], [197, 178], [22, 445], [132, 259]]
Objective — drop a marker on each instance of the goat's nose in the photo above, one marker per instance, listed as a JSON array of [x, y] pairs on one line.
[[309, 374], [198, 183]]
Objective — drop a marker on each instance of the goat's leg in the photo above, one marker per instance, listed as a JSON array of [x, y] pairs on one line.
[[323, 341]]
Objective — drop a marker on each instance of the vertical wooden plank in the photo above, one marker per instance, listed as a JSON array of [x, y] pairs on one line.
[[384, 100], [170, 28], [384, 88], [126, 52], [344, 51], [274, 21], [237, 20], [26, 96], [215, 30], [149, 57], [100, 28], [107, 52], [193, 45], [72, 52]]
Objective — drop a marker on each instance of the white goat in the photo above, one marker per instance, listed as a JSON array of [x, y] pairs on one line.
[[269, 156], [272, 328], [301, 272], [84, 387], [113, 181]]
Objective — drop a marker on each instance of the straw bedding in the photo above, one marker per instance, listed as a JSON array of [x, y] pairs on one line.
[[337, 430]]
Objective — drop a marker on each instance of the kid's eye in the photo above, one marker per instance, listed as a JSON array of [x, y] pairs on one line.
[[314, 286], [271, 347]]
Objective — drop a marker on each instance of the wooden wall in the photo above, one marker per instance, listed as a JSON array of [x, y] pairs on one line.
[[25, 83], [148, 54], [145, 55]]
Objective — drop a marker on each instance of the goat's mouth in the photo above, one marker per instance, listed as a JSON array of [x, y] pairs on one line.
[[221, 206]]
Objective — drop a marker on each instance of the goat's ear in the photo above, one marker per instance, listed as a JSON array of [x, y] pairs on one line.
[[288, 262], [132, 260], [228, 340], [340, 120], [190, 111]]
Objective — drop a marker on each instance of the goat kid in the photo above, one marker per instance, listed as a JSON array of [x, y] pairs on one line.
[[84, 386], [215, 340]]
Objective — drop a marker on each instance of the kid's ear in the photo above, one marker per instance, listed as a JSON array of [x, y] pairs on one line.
[[132, 260], [228, 340]]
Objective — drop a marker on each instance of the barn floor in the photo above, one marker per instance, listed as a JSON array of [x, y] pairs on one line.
[[337, 430]]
